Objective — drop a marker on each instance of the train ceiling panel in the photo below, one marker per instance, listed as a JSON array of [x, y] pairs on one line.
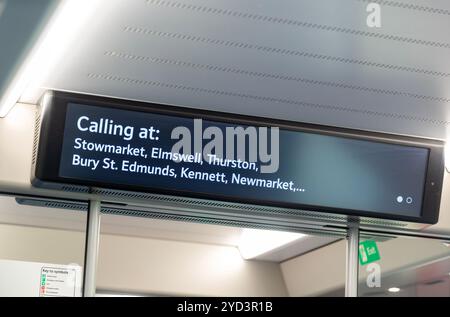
[[309, 61]]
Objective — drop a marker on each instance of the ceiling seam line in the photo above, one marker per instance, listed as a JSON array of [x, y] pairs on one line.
[[264, 98], [297, 23], [281, 51], [238, 71]]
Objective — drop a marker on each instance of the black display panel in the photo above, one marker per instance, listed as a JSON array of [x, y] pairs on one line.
[[128, 145]]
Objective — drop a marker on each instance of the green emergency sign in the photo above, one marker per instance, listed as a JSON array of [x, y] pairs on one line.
[[368, 252]]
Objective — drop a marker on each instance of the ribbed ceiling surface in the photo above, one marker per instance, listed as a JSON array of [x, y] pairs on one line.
[[312, 60]]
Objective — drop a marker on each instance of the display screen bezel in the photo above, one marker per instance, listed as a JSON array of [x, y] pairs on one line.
[[53, 116]]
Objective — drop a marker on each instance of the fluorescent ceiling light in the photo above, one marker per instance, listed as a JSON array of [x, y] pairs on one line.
[[255, 242], [394, 289], [59, 34]]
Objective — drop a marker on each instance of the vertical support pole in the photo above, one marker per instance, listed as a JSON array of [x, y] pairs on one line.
[[351, 274], [91, 248]]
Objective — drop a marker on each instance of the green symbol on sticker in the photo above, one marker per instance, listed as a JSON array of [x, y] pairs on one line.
[[368, 252], [43, 279]]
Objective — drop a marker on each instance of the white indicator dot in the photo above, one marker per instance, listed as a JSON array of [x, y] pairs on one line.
[[399, 199]]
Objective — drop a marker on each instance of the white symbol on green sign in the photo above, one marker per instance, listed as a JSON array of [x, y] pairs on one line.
[[368, 252]]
